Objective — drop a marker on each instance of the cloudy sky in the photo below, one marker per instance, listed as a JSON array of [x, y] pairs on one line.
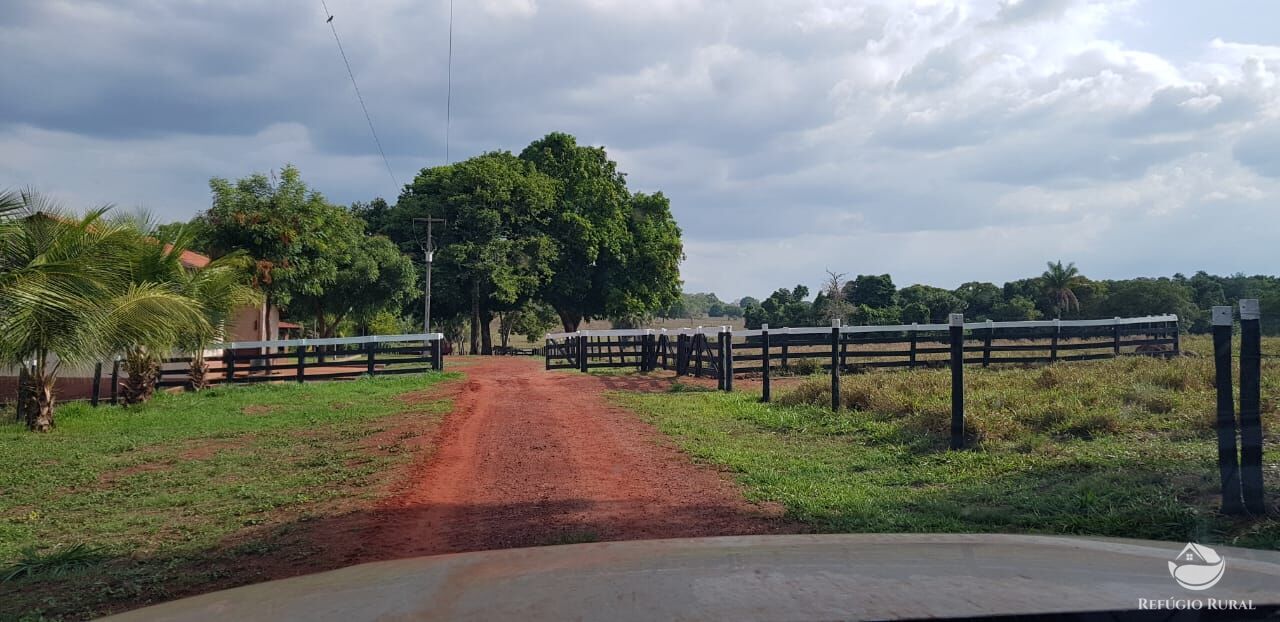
[[941, 141]]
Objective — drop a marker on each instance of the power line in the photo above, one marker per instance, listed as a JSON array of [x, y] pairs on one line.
[[448, 105], [360, 97]]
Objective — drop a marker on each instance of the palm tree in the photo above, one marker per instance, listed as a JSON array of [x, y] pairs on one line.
[[1058, 282], [67, 296], [213, 291], [221, 288]]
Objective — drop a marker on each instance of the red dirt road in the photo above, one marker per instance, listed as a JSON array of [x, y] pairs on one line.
[[531, 457]]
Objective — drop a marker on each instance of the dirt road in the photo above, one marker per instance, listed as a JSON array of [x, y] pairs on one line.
[[530, 457]]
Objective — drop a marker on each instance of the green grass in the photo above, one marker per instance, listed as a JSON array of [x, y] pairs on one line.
[[128, 505], [1119, 448]]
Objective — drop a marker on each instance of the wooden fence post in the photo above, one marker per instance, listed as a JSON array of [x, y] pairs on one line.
[[720, 383], [699, 340], [115, 380], [1115, 336], [835, 365], [663, 342], [229, 364], [1250, 400], [727, 337], [97, 383], [437, 354], [911, 355], [301, 351], [986, 344], [1177, 338], [582, 351], [546, 352], [1228, 459], [764, 361], [370, 348], [957, 380], [1053, 345], [786, 344]]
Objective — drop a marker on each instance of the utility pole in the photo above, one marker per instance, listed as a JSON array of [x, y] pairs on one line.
[[428, 245]]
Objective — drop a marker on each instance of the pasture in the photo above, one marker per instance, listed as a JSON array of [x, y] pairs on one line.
[[1121, 447], [192, 491]]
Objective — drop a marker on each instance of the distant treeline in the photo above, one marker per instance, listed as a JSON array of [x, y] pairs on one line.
[[1060, 292]]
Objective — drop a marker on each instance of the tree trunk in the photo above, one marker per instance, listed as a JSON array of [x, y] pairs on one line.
[[40, 416], [198, 374], [475, 317], [144, 371], [505, 325], [486, 336], [569, 320]]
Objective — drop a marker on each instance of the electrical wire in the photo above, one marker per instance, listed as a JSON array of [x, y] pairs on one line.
[[360, 97]]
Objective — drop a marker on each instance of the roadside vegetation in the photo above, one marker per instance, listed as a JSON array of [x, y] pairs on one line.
[[1122, 448], [119, 507]]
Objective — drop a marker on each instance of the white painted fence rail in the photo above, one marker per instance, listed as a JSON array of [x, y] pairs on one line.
[[328, 341], [815, 330]]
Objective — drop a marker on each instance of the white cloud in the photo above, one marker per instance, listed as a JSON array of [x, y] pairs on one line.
[[885, 136]]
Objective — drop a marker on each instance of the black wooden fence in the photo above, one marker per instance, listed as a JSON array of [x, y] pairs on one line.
[[707, 352], [724, 354], [293, 360]]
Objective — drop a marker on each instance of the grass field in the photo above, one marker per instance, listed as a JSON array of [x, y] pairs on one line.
[[1110, 448], [132, 505]]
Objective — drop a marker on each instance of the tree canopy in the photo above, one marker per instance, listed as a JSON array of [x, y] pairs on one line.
[[617, 254], [296, 236], [493, 251]]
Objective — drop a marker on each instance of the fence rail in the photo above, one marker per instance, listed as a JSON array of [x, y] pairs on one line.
[[296, 360], [722, 353]]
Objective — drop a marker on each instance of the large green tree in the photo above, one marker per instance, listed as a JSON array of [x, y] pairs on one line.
[[784, 307], [980, 299], [617, 254], [493, 253], [297, 238], [872, 290], [936, 301], [1138, 297], [372, 276]]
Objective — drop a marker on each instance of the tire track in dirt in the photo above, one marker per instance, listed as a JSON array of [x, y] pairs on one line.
[[531, 457]]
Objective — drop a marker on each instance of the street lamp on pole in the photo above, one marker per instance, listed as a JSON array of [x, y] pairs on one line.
[[428, 245]]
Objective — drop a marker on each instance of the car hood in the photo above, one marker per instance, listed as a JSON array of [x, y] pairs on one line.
[[801, 577]]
